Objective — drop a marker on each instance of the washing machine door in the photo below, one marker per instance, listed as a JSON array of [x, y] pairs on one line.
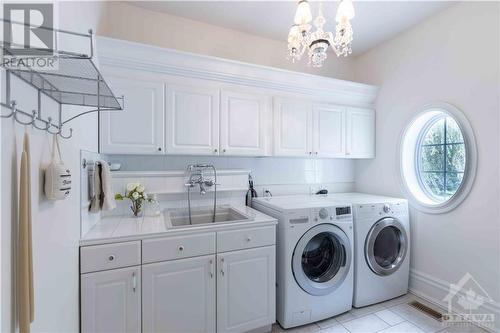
[[321, 259], [386, 246]]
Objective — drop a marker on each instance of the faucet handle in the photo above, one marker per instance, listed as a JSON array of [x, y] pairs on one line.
[[210, 182], [190, 184]]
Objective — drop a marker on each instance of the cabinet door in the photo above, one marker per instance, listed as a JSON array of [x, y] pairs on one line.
[[246, 291], [192, 120], [139, 128], [292, 128], [243, 124], [360, 133], [111, 301], [179, 295], [329, 131]]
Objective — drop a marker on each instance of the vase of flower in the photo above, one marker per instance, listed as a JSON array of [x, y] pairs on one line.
[[135, 192]]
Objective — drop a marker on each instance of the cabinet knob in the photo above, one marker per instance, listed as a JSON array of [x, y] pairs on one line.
[[249, 239], [215, 150], [223, 150], [111, 257], [316, 153], [159, 148], [181, 248]]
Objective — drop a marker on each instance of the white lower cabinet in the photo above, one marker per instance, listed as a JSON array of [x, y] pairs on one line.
[[246, 289], [179, 295], [184, 284], [111, 301]]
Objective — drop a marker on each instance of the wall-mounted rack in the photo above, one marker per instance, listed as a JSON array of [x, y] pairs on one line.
[[75, 80]]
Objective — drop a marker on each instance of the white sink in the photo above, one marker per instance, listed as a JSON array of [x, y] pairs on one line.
[[177, 218]]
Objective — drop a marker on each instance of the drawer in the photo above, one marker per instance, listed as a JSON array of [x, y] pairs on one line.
[[177, 247], [245, 238], [109, 256]]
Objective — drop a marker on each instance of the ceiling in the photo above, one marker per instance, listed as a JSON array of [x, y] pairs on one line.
[[375, 21]]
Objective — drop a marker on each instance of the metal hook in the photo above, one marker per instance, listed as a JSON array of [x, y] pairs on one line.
[[33, 115], [47, 125], [12, 108], [50, 125], [66, 137]]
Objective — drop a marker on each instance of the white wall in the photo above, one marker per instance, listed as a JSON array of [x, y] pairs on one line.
[[124, 21], [451, 57], [56, 226]]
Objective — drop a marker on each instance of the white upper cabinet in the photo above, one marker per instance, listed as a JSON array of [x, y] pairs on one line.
[[246, 289], [360, 133], [192, 120], [187, 104], [329, 131], [179, 296], [292, 127], [111, 301], [139, 128], [244, 123]]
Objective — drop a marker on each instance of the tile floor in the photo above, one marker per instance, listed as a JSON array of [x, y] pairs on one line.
[[394, 316]]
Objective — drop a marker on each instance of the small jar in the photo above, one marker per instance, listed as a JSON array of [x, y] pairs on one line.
[[153, 206]]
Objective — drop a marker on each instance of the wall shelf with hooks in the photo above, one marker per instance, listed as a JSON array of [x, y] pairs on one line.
[[74, 80]]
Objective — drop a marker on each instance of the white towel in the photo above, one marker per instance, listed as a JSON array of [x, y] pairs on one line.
[[101, 192], [108, 196]]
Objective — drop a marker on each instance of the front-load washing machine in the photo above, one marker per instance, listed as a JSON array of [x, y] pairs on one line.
[[314, 257], [381, 247]]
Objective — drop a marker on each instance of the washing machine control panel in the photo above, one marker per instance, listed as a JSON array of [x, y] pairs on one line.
[[332, 213]]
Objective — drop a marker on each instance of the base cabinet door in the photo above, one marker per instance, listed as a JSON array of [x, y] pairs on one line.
[[179, 296], [111, 301], [246, 289], [139, 128], [360, 133]]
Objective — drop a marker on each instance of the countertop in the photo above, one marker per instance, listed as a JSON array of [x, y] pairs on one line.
[[112, 229]]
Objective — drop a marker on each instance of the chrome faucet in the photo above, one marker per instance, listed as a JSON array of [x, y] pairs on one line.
[[196, 178]]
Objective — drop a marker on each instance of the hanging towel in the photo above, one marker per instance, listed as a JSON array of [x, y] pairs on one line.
[[25, 261], [108, 196], [100, 188], [95, 188]]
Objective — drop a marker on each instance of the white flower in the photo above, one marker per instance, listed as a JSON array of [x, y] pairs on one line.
[[140, 188], [131, 186], [135, 195]]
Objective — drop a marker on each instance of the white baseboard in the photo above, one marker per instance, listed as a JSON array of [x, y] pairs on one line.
[[442, 288]]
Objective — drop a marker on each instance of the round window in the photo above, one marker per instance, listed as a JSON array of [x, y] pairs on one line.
[[438, 158]]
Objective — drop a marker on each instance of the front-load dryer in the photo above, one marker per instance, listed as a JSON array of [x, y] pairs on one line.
[[314, 258], [381, 247]]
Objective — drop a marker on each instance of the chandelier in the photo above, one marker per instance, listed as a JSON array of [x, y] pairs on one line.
[[300, 37]]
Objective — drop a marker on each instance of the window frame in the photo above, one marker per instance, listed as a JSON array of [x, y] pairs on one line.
[[411, 144]]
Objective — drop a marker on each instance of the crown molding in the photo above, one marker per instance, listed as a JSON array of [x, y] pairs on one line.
[[114, 53]]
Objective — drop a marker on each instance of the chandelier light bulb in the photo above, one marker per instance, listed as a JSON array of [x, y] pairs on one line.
[[345, 10], [303, 14], [342, 43]]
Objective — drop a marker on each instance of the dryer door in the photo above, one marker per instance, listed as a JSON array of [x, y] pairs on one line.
[[321, 259], [386, 246]]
